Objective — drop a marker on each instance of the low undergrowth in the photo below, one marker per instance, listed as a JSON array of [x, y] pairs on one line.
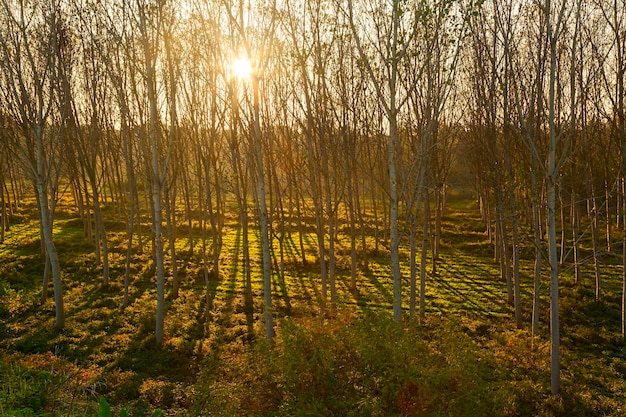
[[369, 365], [465, 359]]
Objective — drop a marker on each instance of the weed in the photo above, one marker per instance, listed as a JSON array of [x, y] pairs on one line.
[[104, 410]]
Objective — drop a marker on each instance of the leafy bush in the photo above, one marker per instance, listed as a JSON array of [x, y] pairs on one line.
[[12, 302], [371, 366], [104, 410], [22, 391]]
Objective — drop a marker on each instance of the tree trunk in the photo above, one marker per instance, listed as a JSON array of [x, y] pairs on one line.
[[263, 218], [46, 279], [503, 245], [554, 281], [425, 244], [412, 220], [3, 215], [515, 261], [551, 183], [575, 237], [394, 234], [55, 267], [321, 249], [170, 215], [205, 260], [592, 210], [563, 239], [538, 252], [300, 231], [439, 204], [330, 214], [157, 180], [624, 267], [101, 236], [607, 205], [353, 237]]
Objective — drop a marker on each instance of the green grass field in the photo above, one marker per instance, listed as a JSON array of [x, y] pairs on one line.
[[466, 359]]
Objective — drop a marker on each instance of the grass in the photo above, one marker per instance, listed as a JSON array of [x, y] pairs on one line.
[[466, 359]]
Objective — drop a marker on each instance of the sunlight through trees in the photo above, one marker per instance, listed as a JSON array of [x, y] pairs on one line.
[[332, 130]]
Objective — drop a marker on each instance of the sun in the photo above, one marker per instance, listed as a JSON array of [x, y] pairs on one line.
[[241, 67]]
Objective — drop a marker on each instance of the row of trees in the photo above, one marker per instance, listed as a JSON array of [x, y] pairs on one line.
[[352, 107], [546, 136]]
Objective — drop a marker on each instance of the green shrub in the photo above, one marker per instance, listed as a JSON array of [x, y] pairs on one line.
[[104, 410], [23, 392], [369, 366]]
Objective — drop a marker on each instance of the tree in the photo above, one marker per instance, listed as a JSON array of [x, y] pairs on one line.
[[28, 41], [556, 20], [148, 18], [383, 67], [259, 64]]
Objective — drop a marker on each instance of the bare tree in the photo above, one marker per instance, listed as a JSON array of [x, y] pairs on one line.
[[382, 57], [29, 37], [148, 18], [260, 60]]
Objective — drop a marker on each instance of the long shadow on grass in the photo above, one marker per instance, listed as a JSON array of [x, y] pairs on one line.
[[228, 290], [282, 286], [308, 289], [489, 286], [145, 360], [373, 277]]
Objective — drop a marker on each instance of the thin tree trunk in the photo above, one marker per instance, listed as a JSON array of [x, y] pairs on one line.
[[129, 254], [413, 263], [425, 244], [618, 202], [575, 245], [170, 215], [554, 286], [55, 267], [376, 216], [353, 238], [157, 180], [246, 257], [3, 216], [563, 239], [300, 231], [538, 252], [101, 237], [551, 183], [439, 204], [205, 260], [394, 234], [593, 220], [46, 279], [515, 261], [607, 205], [505, 259], [321, 251], [263, 218], [624, 266], [187, 198], [214, 227], [331, 242], [281, 228]]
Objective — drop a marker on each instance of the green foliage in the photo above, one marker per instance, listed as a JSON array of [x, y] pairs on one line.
[[104, 410], [368, 366], [13, 302], [23, 392]]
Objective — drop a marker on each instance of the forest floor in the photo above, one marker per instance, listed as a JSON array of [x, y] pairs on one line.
[[465, 358]]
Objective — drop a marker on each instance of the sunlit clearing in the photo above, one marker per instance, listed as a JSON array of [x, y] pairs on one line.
[[242, 68]]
